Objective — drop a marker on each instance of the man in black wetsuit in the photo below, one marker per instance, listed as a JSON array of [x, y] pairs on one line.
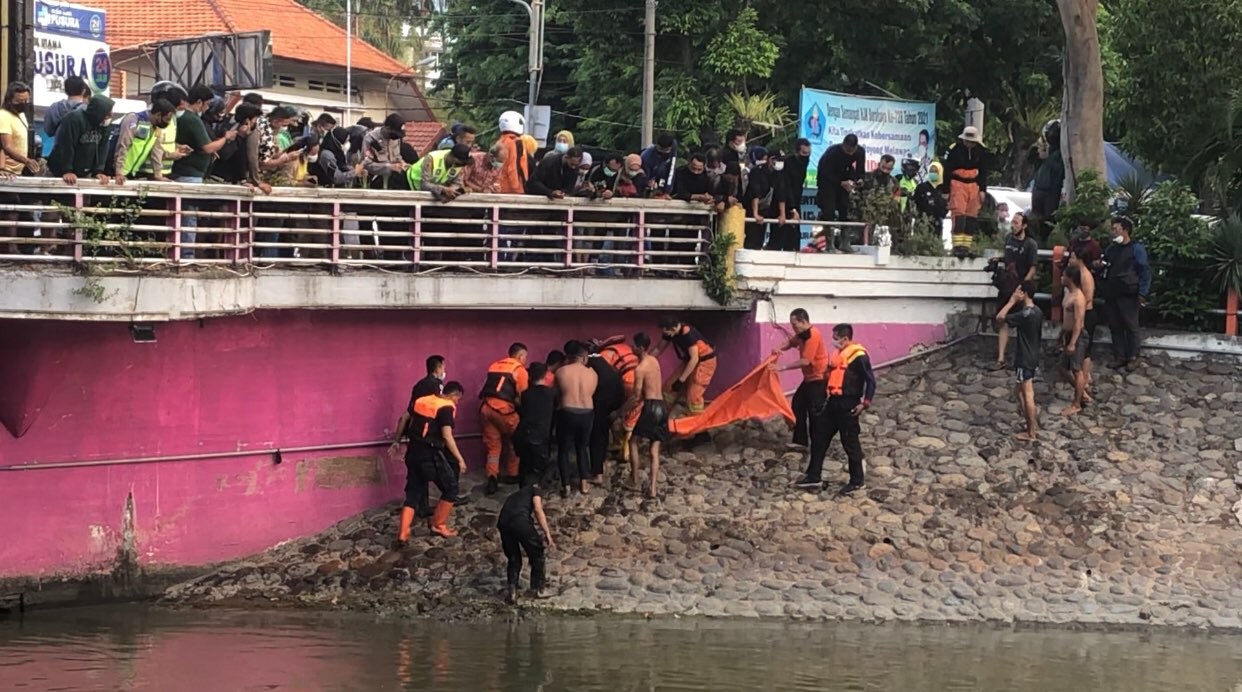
[[518, 533], [534, 433], [609, 396]]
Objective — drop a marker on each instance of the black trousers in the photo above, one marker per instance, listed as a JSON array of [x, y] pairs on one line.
[[809, 397], [754, 235], [1123, 325], [518, 536], [532, 460], [601, 433], [425, 465], [787, 238], [834, 205], [835, 418], [573, 432]]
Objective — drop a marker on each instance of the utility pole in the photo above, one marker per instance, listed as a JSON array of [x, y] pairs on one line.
[[349, 61], [649, 36], [535, 11]]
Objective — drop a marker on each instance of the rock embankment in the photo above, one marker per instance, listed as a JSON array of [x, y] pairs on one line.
[[1127, 514]]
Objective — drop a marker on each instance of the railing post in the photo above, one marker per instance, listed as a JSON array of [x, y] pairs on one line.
[[176, 229], [249, 232], [569, 237], [642, 234], [78, 202], [1057, 253], [495, 244], [336, 234], [1231, 313], [866, 235], [418, 232], [235, 223]]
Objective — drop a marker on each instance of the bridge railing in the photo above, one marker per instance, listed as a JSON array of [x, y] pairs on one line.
[[179, 225]]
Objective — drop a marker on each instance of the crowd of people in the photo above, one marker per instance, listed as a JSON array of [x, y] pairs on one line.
[[581, 400]]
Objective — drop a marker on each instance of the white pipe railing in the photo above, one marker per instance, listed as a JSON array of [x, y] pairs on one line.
[[170, 224]]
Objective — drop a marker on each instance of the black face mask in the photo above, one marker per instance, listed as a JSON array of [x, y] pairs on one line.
[[394, 135]]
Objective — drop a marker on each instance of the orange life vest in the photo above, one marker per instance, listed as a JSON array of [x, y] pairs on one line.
[[502, 382], [840, 363], [621, 357], [423, 413]]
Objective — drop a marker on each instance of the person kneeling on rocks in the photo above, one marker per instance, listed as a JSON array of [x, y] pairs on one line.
[[851, 387], [427, 459], [518, 533]]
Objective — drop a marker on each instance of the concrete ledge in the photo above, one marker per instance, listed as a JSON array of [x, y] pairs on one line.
[[859, 276], [51, 294]]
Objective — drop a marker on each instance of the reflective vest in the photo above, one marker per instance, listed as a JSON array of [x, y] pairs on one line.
[[621, 357], [501, 382], [440, 171], [145, 137], [169, 141], [423, 426], [840, 363], [908, 185]]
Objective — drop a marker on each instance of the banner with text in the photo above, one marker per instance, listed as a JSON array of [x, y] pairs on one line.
[[69, 41]]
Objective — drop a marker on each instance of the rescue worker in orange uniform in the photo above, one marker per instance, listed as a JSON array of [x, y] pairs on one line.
[[502, 392], [698, 364], [966, 182], [621, 356], [813, 359], [851, 387], [432, 455]]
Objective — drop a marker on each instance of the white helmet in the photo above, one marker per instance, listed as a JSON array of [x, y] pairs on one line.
[[512, 121]]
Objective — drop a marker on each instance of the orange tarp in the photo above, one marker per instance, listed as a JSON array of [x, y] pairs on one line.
[[758, 395]]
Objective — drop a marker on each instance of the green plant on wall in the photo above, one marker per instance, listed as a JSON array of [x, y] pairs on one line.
[[923, 240], [1177, 244], [714, 271], [108, 231], [1225, 254]]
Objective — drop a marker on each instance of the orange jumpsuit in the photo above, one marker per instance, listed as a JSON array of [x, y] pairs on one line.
[[696, 385], [516, 169], [506, 380]]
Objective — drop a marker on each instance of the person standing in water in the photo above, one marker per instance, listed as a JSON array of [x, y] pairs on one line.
[[647, 411], [521, 520]]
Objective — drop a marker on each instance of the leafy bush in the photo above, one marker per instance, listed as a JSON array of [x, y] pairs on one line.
[[1178, 246], [1089, 208], [923, 241], [713, 270], [1225, 254]]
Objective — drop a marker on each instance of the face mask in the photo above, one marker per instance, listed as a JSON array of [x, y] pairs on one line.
[[838, 344], [394, 135], [778, 166], [180, 112], [106, 122], [312, 159], [443, 376], [761, 164], [1118, 239], [609, 173], [635, 173], [739, 147], [561, 147], [933, 177], [345, 147], [496, 165]]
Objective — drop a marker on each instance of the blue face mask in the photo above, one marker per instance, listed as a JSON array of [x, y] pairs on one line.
[[562, 147]]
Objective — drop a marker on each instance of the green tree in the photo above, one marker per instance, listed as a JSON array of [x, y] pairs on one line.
[[385, 24]]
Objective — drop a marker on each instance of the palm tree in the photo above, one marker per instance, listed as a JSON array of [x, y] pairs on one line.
[[758, 110]]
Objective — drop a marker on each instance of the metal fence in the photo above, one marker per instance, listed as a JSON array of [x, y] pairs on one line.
[[170, 224]]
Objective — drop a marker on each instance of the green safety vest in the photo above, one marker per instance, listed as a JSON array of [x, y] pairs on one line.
[[169, 141], [145, 136], [907, 184], [440, 172]]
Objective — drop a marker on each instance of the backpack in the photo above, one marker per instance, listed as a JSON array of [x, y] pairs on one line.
[[113, 132]]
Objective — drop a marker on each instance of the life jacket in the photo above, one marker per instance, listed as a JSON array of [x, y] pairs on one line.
[[168, 138], [840, 363], [621, 357], [423, 426], [441, 173], [501, 382], [696, 341]]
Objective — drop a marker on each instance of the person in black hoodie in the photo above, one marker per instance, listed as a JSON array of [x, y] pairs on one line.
[[556, 176], [796, 167], [81, 148], [764, 199], [691, 182], [840, 169], [332, 169]]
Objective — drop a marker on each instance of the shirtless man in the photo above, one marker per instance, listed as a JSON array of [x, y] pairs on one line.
[[646, 412], [1081, 258], [576, 383], [1072, 338]]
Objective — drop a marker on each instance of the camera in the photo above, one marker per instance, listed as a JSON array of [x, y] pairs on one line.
[[999, 273]]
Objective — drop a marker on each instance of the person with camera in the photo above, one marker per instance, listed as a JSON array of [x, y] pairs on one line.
[[1017, 266], [1126, 286]]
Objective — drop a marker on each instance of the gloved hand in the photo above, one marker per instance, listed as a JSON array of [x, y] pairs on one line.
[[678, 385]]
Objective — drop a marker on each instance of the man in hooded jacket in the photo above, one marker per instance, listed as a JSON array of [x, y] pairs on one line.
[[81, 149]]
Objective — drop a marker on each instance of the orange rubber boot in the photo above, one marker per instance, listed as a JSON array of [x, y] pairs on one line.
[[407, 519], [439, 525]]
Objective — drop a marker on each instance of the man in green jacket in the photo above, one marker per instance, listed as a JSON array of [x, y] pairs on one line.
[[81, 148]]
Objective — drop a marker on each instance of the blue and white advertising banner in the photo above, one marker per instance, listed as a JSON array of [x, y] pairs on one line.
[[69, 41], [902, 129]]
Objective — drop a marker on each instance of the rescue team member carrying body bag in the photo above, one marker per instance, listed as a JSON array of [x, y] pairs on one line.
[[506, 380], [427, 460]]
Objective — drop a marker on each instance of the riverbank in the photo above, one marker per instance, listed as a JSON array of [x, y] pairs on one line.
[[1124, 515]]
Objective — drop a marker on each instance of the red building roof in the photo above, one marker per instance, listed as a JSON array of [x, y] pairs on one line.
[[297, 33], [424, 136]]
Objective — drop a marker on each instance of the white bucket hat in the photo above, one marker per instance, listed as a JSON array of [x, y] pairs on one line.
[[971, 134]]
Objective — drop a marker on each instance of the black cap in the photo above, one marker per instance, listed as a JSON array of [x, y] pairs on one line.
[[394, 121]]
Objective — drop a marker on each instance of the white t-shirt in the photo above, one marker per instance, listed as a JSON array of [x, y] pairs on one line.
[[16, 127]]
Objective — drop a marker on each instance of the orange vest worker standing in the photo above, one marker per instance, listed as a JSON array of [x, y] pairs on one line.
[[506, 380], [850, 388], [813, 359], [427, 459]]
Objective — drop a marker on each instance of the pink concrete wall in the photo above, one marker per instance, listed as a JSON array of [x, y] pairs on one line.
[[83, 391]]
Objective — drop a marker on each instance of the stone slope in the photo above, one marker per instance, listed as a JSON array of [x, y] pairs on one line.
[[1127, 514]]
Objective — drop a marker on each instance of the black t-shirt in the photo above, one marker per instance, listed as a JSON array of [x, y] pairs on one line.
[[519, 506], [1021, 255], [428, 429], [685, 340], [610, 392], [535, 414], [1029, 323], [428, 385]]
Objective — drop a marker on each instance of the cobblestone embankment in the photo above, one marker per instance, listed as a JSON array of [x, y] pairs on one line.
[[1128, 514]]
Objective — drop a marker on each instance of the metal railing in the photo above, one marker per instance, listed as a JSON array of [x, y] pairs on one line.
[[169, 224]]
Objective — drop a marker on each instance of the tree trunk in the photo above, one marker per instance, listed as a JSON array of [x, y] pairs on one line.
[[1082, 112]]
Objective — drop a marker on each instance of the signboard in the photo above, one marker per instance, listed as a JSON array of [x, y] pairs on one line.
[[68, 41], [538, 123], [902, 129]]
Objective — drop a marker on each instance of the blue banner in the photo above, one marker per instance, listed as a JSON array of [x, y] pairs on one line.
[[69, 20]]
